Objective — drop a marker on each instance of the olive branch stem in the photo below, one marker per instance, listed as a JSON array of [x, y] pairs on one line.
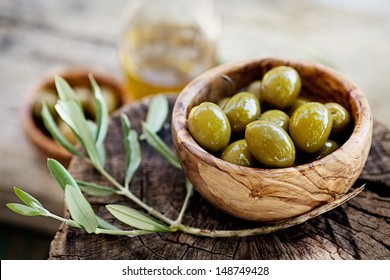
[[127, 193], [184, 207]]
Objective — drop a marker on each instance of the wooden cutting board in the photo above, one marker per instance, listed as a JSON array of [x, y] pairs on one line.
[[359, 229]]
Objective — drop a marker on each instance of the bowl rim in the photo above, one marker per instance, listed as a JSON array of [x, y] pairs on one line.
[[362, 124]]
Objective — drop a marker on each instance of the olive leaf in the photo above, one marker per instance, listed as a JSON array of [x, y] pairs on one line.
[[103, 224], [61, 174], [92, 127], [157, 113], [101, 118], [157, 144], [52, 127], [32, 206], [95, 189], [27, 198], [73, 115], [100, 149], [129, 233], [24, 209], [70, 110], [65, 91], [132, 149], [136, 218], [80, 209]]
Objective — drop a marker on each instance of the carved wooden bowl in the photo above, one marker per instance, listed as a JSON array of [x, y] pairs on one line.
[[76, 78], [272, 195]]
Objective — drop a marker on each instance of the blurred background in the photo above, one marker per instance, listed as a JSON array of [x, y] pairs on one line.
[[40, 37]]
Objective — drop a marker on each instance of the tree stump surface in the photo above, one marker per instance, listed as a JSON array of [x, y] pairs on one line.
[[358, 229]]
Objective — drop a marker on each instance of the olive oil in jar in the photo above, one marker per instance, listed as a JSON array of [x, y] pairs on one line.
[[161, 52]]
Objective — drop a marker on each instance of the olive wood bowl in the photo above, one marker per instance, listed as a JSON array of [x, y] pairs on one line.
[[272, 195], [76, 78]]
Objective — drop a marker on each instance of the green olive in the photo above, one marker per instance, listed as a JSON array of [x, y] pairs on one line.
[[254, 88], [310, 126], [270, 144], [277, 117], [280, 86], [300, 101], [329, 147], [209, 126], [238, 153], [222, 103], [340, 116], [242, 109]]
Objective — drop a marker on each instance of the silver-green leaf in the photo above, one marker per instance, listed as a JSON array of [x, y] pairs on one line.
[[135, 155], [65, 91], [101, 113], [24, 209], [129, 233], [60, 174], [80, 209], [52, 127], [27, 198], [95, 189], [92, 127], [103, 224], [132, 149], [73, 115], [157, 113], [99, 147], [158, 145], [136, 218]]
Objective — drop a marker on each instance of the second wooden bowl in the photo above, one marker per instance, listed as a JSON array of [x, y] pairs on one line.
[[272, 195], [77, 78]]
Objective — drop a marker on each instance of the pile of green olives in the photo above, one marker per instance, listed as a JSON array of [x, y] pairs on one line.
[[268, 124]]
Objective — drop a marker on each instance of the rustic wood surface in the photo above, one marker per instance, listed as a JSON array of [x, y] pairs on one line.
[[40, 37], [359, 229]]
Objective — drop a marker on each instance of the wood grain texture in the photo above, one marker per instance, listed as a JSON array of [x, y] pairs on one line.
[[359, 229]]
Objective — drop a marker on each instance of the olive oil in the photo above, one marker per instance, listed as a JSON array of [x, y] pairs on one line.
[[164, 56]]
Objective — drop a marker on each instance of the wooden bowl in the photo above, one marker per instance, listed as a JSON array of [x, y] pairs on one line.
[[76, 78], [272, 195]]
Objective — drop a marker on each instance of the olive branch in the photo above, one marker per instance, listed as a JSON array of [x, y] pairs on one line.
[[91, 135]]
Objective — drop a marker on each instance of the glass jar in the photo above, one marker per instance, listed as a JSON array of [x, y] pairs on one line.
[[167, 43]]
